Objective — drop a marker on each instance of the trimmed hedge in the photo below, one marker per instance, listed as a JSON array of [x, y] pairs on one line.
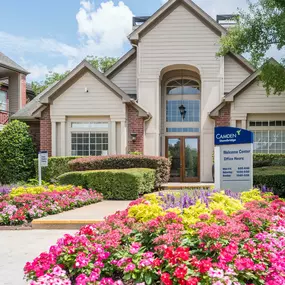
[[160, 164], [124, 184], [273, 177], [56, 166], [17, 153], [268, 159]]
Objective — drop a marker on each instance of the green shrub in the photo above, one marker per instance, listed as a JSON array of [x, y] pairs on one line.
[[268, 159], [17, 153], [123, 184], [56, 166], [273, 177], [160, 164]]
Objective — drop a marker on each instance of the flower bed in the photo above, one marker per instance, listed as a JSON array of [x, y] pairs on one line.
[[23, 208], [222, 239]]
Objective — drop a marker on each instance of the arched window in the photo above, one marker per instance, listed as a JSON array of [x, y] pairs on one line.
[[183, 87]]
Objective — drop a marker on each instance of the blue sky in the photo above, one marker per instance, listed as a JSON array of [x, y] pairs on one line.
[[55, 35]]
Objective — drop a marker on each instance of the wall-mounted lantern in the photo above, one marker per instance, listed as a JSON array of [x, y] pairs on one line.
[[134, 137], [183, 112]]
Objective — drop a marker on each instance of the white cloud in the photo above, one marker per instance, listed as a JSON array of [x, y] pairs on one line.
[[101, 32]]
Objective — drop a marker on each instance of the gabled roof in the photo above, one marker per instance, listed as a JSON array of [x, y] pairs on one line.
[[44, 98], [121, 63], [167, 8], [238, 89], [8, 63]]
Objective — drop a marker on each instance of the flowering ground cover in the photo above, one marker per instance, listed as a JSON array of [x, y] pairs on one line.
[[19, 208], [221, 239]]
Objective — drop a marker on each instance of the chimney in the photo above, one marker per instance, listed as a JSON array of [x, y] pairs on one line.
[[227, 21], [137, 21]]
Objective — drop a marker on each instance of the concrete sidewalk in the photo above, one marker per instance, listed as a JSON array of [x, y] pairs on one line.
[[79, 217]]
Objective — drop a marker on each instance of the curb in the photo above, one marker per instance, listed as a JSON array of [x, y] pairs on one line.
[[62, 224]]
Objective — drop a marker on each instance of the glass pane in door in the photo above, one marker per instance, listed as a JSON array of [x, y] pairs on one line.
[[191, 153], [174, 145]]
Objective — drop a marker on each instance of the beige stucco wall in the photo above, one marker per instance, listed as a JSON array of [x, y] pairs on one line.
[[126, 79], [180, 38], [98, 104], [235, 73]]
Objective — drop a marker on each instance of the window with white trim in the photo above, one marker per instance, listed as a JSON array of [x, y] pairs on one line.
[[89, 138], [3, 101], [269, 136], [182, 105]]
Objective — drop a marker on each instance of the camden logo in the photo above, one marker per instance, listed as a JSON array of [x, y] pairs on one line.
[[230, 137]]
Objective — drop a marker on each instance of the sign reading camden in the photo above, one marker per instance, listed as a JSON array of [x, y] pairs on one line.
[[233, 159]]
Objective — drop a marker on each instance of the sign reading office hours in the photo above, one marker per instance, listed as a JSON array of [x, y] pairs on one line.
[[233, 159]]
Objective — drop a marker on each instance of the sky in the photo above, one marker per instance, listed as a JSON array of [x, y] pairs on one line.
[[55, 35]]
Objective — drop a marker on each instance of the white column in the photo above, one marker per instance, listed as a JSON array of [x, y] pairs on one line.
[[243, 124], [53, 138], [112, 137], [123, 137], [63, 141]]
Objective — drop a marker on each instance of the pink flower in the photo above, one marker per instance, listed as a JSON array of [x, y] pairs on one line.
[[130, 267]]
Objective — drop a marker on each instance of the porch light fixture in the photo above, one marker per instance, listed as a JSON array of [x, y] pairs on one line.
[[134, 137], [183, 112]]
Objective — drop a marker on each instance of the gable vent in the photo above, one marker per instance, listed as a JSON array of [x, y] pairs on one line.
[[227, 21]]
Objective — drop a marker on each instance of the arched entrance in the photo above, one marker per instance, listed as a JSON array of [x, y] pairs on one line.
[[180, 122]]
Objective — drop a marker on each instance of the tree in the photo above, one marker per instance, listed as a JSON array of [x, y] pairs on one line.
[[17, 153], [256, 32], [101, 63], [51, 78]]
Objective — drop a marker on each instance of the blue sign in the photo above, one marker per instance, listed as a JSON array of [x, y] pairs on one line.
[[229, 135]]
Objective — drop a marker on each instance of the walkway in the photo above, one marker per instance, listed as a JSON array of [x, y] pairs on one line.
[[77, 218], [185, 186], [18, 247]]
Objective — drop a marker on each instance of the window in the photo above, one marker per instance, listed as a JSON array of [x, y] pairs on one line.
[[192, 108], [90, 125], [270, 139], [3, 101], [89, 143], [89, 138], [183, 130], [183, 86]]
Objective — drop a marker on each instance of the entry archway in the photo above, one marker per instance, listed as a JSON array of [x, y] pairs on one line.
[[180, 121]]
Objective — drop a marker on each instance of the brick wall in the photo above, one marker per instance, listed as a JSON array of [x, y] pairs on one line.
[[135, 125], [45, 131], [224, 118], [23, 90], [35, 133]]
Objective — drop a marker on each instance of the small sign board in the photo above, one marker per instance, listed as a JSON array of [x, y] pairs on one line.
[[43, 157], [233, 159]]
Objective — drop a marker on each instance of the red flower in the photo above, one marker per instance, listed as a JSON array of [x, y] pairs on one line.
[[181, 271], [165, 278], [182, 253]]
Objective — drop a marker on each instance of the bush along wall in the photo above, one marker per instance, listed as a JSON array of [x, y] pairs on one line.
[[161, 165], [17, 153], [123, 184], [268, 159], [56, 166], [273, 177]]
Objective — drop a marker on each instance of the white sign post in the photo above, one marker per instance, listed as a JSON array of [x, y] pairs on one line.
[[42, 162], [233, 159]]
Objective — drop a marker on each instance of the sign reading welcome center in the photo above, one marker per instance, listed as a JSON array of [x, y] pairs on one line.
[[233, 159]]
